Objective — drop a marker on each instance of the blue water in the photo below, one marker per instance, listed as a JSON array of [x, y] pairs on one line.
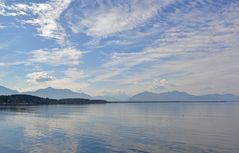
[[125, 127]]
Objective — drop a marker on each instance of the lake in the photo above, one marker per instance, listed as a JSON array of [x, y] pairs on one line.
[[122, 127]]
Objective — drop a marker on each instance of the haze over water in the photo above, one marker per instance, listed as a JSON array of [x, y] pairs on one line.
[[129, 127]]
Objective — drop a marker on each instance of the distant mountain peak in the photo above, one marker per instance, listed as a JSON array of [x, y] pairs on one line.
[[55, 93], [50, 88], [7, 91]]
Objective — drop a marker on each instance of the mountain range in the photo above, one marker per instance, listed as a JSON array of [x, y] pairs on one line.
[[57, 93], [182, 96], [144, 96]]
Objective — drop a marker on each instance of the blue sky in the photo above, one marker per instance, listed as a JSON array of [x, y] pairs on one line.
[[120, 47]]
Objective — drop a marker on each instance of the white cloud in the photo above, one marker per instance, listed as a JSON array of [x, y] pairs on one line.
[[75, 74], [160, 84], [13, 10], [47, 20], [56, 56], [205, 37], [45, 16], [72, 78], [106, 20], [176, 47], [211, 74], [39, 77], [7, 64]]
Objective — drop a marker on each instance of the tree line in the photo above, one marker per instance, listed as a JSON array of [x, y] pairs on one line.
[[34, 100]]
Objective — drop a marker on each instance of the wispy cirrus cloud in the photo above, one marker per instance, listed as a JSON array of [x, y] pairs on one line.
[[7, 64], [129, 45], [194, 36], [13, 10], [111, 18], [56, 56], [45, 16], [47, 20]]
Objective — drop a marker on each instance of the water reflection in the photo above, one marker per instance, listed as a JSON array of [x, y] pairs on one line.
[[121, 128], [14, 109]]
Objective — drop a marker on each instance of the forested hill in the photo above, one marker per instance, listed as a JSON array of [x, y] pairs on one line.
[[34, 100]]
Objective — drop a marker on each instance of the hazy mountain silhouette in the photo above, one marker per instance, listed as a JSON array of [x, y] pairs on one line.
[[181, 96], [144, 96], [57, 93], [7, 91]]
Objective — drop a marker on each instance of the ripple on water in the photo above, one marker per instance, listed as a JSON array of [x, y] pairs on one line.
[[174, 128]]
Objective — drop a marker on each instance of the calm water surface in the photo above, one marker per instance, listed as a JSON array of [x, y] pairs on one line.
[[141, 127]]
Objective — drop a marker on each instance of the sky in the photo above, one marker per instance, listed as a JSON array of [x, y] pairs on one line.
[[120, 47]]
